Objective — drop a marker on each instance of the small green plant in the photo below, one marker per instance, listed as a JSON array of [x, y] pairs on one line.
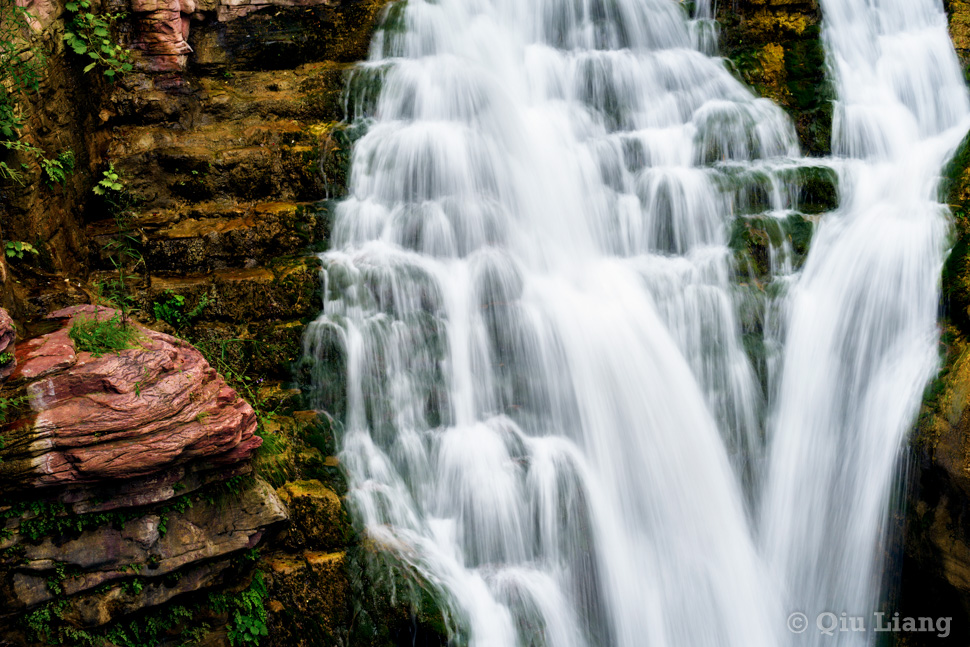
[[101, 336], [89, 34], [5, 358], [110, 182], [123, 250], [171, 309], [133, 587], [8, 406], [55, 583], [247, 623], [59, 168], [17, 249]]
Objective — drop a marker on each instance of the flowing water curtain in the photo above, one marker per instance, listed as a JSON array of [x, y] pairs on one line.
[[862, 335], [532, 329]]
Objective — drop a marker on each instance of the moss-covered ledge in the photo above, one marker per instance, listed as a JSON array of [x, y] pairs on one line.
[[775, 47]]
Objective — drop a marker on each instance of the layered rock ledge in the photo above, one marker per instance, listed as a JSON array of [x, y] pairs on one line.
[[123, 480]]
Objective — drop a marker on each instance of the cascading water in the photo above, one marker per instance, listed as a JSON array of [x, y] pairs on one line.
[[862, 335], [548, 411]]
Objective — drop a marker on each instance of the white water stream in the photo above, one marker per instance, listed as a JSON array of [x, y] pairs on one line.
[[548, 411]]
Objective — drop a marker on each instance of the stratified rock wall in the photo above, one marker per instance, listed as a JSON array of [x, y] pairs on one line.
[[123, 480], [8, 336]]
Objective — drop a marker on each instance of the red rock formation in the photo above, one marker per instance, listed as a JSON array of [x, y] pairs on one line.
[[163, 32], [134, 413], [162, 26], [42, 12]]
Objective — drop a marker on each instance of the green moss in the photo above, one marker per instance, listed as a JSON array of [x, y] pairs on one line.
[[955, 282], [811, 92], [778, 51], [752, 237]]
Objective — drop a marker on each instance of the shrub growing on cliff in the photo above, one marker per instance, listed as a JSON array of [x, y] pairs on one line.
[[101, 336], [89, 34]]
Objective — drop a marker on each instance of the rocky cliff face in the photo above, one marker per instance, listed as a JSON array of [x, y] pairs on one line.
[[126, 481], [128, 484]]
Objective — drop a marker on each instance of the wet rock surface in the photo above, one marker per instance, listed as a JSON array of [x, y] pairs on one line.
[[775, 46]]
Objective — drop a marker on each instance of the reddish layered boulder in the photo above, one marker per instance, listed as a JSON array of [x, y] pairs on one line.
[[135, 413]]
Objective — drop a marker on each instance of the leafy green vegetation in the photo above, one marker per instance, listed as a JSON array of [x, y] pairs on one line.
[[123, 251], [89, 35], [17, 249], [19, 74], [22, 62], [58, 169], [5, 358], [9, 405], [247, 613], [47, 624], [171, 308], [102, 336], [110, 182]]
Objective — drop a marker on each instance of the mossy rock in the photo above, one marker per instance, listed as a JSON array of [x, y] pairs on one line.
[[317, 517], [242, 236], [323, 89], [818, 188], [752, 239], [309, 599], [394, 605], [289, 290], [776, 48], [955, 189]]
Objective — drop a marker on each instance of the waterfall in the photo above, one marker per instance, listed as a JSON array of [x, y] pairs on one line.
[[862, 338], [538, 321]]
